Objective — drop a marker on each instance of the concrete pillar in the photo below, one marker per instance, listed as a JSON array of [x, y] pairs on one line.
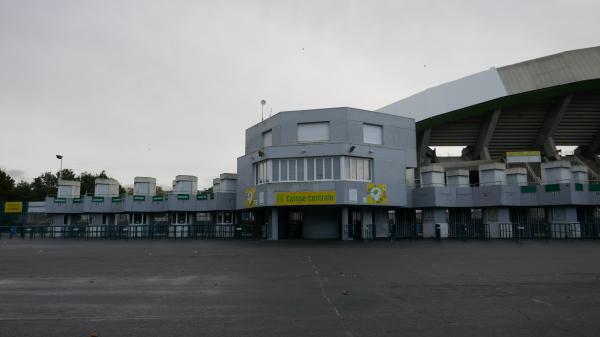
[[458, 178], [345, 221], [516, 176], [563, 222], [382, 226], [274, 233], [579, 174], [367, 219], [498, 221], [431, 217], [556, 172], [492, 174], [432, 175]]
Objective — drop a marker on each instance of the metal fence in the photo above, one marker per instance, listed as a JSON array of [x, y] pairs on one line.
[[546, 231], [132, 232], [405, 231], [468, 231]]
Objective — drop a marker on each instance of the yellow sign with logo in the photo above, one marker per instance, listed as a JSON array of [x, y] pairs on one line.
[[523, 153], [377, 194], [305, 198], [250, 197], [13, 207]]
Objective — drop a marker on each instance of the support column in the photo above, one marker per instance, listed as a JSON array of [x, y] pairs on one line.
[[545, 139], [431, 217], [367, 219], [345, 221], [487, 130], [274, 223]]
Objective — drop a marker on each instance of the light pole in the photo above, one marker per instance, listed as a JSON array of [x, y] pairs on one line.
[[262, 110], [59, 156]]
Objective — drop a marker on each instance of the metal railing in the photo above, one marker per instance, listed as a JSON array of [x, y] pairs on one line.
[[132, 232], [468, 231]]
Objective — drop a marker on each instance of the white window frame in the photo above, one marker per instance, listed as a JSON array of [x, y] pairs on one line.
[[320, 140], [267, 135], [366, 128]]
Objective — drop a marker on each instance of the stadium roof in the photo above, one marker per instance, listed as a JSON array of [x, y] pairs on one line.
[[536, 104]]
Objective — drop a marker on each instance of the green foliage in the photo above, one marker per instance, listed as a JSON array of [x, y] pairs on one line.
[[7, 186], [46, 184]]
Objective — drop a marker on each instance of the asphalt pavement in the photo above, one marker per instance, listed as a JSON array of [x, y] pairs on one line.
[[299, 288]]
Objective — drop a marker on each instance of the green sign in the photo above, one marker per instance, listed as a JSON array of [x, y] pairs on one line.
[[552, 188], [594, 187], [202, 196], [139, 198], [579, 187], [116, 199], [158, 198], [97, 199], [77, 200], [183, 197], [60, 200], [528, 189]]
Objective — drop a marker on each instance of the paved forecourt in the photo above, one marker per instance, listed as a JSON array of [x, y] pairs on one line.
[[237, 288]]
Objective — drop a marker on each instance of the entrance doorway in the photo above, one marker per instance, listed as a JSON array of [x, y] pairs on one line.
[[291, 224], [355, 220]]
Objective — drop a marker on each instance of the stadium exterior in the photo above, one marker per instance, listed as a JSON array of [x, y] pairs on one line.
[[345, 173]]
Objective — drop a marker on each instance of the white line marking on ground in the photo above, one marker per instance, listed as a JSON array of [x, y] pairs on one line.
[[535, 300]]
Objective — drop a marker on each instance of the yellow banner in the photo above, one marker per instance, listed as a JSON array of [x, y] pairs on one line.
[[250, 198], [13, 207], [305, 198], [377, 194], [523, 153]]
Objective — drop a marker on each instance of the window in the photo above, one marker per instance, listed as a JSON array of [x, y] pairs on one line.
[[267, 138], [224, 218], [65, 219], [313, 132], [372, 134], [263, 172], [313, 168], [138, 219], [203, 217], [104, 218], [357, 168]]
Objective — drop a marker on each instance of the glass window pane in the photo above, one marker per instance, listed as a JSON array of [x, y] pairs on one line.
[[292, 169], [313, 132], [300, 176], [372, 134], [275, 169], [346, 168], [284, 173], [336, 168], [367, 169], [353, 168], [360, 171], [310, 169], [328, 164], [319, 169]]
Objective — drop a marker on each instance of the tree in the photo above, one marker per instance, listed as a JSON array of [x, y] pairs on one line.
[[23, 191], [159, 191], [44, 185], [7, 186]]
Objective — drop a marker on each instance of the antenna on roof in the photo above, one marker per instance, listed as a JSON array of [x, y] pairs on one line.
[[262, 109]]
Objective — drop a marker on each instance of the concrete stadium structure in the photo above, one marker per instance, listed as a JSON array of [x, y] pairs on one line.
[[345, 173]]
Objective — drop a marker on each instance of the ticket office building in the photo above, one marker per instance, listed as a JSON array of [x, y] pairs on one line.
[[310, 173]]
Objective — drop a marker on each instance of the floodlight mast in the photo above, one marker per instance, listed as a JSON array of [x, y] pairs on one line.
[[60, 157]]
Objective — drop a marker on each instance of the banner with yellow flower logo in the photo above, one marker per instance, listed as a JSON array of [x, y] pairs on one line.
[[377, 194]]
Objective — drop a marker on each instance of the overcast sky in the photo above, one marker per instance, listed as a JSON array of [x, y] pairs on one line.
[[161, 88]]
